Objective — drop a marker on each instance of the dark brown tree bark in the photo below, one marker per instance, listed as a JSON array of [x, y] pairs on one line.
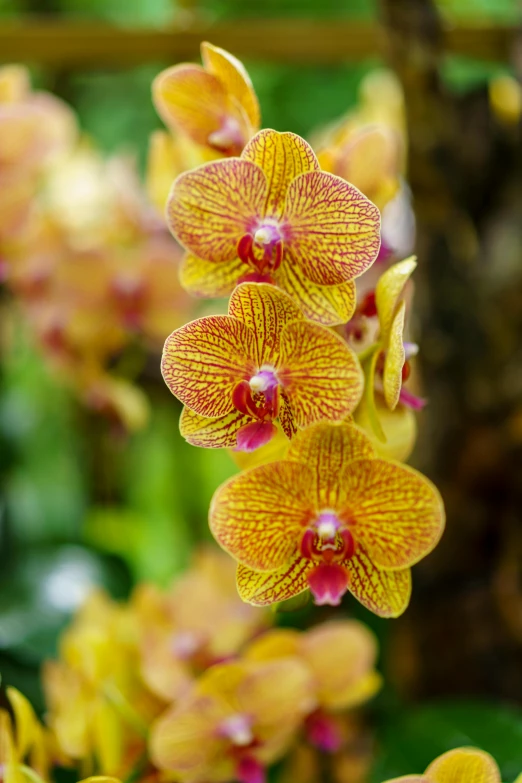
[[463, 632]]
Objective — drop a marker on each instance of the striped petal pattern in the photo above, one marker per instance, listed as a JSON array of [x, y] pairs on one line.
[[385, 593], [204, 360], [266, 311], [262, 588], [464, 765], [258, 515], [206, 279], [218, 433], [320, 374], [396, 513], [334, 231], [329, 305], [282, 157], [213, 206]]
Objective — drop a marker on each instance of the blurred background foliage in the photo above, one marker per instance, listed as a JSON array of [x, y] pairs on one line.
[[82, 503]]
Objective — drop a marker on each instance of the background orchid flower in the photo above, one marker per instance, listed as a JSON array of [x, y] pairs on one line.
[[331, 517], [198, 622], [341, 655], [237, 373], [215, 105], [272, 215], [240, 717], [462, 765]]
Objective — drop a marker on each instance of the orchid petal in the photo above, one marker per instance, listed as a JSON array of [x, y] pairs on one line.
[[320, 374], [273, 451], [368, 402], [329, 305], [341, 654], [255, 435], [394, 359], [204, 360], [184, 739], [285, 704], [282, 157], [262, 588], [216, 433], [211, 207], [326, 450], [257, 516], [399, 428], [206, 279], [396, 513], [334, 231], [388, 292], [385, 593], [233, 75], [191, 100], [464, 765], [266, 311]]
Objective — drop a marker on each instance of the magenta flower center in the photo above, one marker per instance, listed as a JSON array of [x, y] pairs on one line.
[[262, 249], [267, 234], [327, 539]]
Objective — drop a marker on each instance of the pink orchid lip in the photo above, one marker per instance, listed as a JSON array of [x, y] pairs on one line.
[[254, 435], [411, 400], [323, 732], [328, 583], [249, 770]]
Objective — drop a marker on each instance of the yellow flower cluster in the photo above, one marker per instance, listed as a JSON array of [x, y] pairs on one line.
[[85, 255], [192, 683], [297, 362]]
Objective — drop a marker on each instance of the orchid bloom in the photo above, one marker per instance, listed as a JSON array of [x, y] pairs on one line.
[[200, 621], [370, 157], [238, 373], [273, 216], [385, 362], [330, 517], [214, 105], [341, 655], [462, 765], [239, 718]]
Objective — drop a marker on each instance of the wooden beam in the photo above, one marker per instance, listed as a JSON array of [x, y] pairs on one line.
[[76, 44]]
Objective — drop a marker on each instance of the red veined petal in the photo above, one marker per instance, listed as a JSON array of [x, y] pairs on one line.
[[258, 516], [206, 279], [266, 311], [320, 374], [386, 593], [397, 513], [211, 207], [204, 360], [218, 433], [262, 588], [282, 157], [334, 231], [327, 449], [327, 304]]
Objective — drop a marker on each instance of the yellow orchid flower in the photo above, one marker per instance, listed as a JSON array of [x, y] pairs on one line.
[[273, 216], [331, 517], [239, 718], [196, 623], [463, 765], [237, 373], [214, 105], [341, 655], [370, 158]]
